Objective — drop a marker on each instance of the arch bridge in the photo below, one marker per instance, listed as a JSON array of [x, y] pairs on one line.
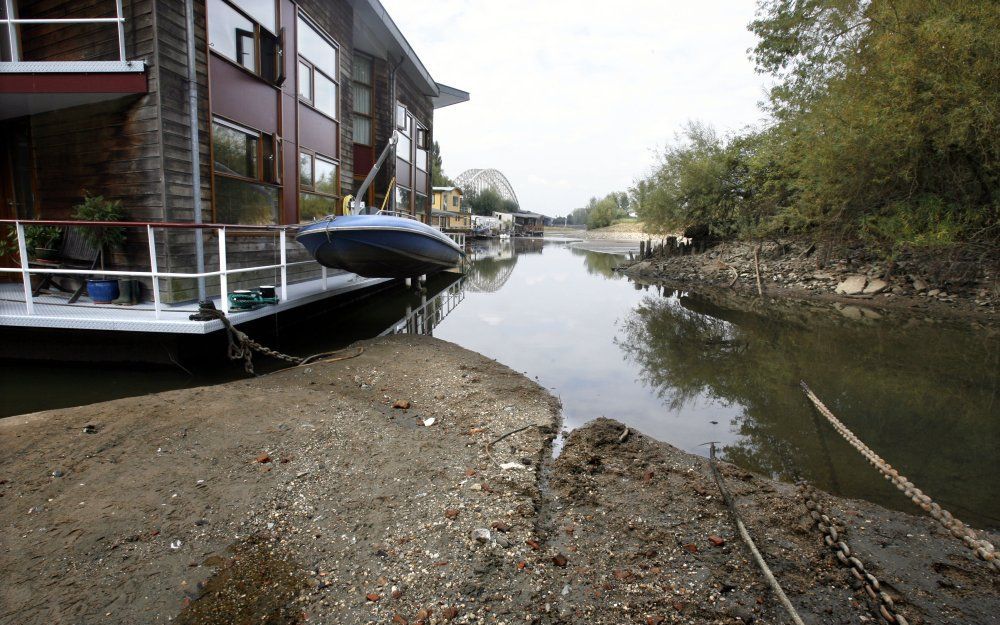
[[478, 180]]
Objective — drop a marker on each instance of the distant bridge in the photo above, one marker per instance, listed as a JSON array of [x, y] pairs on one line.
[[478, 180]]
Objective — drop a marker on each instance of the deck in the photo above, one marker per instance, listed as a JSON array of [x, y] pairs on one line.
[[54, 311]]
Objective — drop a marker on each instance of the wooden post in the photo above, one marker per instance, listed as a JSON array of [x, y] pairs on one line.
[[642, 249]]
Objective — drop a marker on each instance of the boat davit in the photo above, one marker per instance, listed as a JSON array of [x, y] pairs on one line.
[[379, 246]]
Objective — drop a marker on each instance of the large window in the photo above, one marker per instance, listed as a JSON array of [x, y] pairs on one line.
[[404, 126], [246, 165], [319, 186], [422, 138], [244, 31], [403, 196], [317, 68], [362, 74]]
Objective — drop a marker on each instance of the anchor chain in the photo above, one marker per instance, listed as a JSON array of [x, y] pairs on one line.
[[982, 549], [241, 346], [834, 539]]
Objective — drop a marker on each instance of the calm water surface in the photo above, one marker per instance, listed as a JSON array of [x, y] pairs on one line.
[[683, 367]]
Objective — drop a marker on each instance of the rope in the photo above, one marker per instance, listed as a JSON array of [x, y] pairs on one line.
[[745, 535], [241, 347], [982, 549]]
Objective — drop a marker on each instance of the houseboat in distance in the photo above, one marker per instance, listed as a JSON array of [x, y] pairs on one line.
[[217, 126]]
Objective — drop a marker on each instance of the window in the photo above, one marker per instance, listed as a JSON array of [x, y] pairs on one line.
[[244, 32], [403, 196], [362, 72], [246, 165], [454, 200], [317, 68], [319, 186], [403, 126], [421, 159], [421, 203]]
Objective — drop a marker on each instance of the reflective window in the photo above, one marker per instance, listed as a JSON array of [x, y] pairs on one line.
[[305, 81], [261, 10], [305, 170], [231, 35], [326, 176], [314, 206], [403, 199], [244, 202], [235, 150], [403, 148], [325, 96], [316, 48]]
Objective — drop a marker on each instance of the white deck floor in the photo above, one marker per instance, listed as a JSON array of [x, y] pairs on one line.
[[54, 310]]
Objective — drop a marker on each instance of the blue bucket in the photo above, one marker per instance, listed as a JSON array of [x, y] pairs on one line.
[[102, 291]]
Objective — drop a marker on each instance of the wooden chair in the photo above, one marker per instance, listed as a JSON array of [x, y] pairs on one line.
[[75, 252]]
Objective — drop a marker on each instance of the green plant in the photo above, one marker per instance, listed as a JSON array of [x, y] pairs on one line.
[[41, 236], [96, 208]]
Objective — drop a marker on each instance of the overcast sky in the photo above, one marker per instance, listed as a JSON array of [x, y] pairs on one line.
[[572, 99]]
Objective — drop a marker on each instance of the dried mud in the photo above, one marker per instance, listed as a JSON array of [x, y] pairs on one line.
[[305, 496]]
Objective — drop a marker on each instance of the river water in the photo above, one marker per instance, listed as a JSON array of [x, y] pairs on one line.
[[683, 367]]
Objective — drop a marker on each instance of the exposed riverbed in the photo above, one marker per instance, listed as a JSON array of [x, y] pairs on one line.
[[682, 367]]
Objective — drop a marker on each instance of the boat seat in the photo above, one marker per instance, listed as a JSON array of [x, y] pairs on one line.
[[75, 252]]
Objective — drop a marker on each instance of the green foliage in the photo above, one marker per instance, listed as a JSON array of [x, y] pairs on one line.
[[485, 202], [96, 208], [602, 213], [438, 177], [42, 236], [884, 127], [887, 112]]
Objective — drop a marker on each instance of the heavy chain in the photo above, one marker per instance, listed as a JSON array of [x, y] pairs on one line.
[[982, 549], [834, 539]]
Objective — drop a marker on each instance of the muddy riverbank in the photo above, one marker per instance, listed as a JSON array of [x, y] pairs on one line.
[[375, 490], [962, 284]]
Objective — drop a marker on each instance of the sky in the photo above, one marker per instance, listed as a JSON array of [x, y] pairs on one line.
[[573, 99]]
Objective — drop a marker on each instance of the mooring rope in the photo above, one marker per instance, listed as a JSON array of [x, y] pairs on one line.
[[982, 549], [241, 346], [745, 535]]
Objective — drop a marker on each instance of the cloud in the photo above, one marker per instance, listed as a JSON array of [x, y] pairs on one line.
[[572, 100]]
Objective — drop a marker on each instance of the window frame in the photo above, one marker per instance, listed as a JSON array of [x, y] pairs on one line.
[[371, 87], [313, 70], [258, 43], [270, 177], [311, 188]]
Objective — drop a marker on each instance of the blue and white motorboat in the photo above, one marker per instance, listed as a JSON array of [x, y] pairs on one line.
[[379, 246]]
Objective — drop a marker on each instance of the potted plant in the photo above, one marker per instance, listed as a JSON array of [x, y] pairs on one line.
[[103, 238], [43, 241]]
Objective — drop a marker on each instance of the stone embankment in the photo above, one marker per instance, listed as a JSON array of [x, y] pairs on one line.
[[963, 283], [414, 484]]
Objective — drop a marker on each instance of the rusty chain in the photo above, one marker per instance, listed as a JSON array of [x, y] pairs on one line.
[[982, 549], [835, 540], [241, 346]]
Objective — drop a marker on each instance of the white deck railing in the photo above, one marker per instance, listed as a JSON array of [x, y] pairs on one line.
[[11, 23], [223, 273]]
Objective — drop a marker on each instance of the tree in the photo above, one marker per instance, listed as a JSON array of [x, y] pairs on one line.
[[485, 202], [887, 115], [438, 177]]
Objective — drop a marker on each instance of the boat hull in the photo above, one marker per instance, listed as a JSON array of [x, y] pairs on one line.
[[378, 246]]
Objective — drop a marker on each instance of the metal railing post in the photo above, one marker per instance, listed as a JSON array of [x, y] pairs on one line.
[[284, 265], [121, 31], [323, 273], [15, 53], [154, 270], [22, 252], [223, 272]]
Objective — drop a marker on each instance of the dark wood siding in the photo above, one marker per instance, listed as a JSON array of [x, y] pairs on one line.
[[109, 148]]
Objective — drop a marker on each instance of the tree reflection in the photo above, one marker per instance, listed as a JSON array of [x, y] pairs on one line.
[[921, 394], [600, 263]]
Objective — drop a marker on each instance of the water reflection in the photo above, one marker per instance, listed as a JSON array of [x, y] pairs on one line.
[[599, 264], [923, 394]]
